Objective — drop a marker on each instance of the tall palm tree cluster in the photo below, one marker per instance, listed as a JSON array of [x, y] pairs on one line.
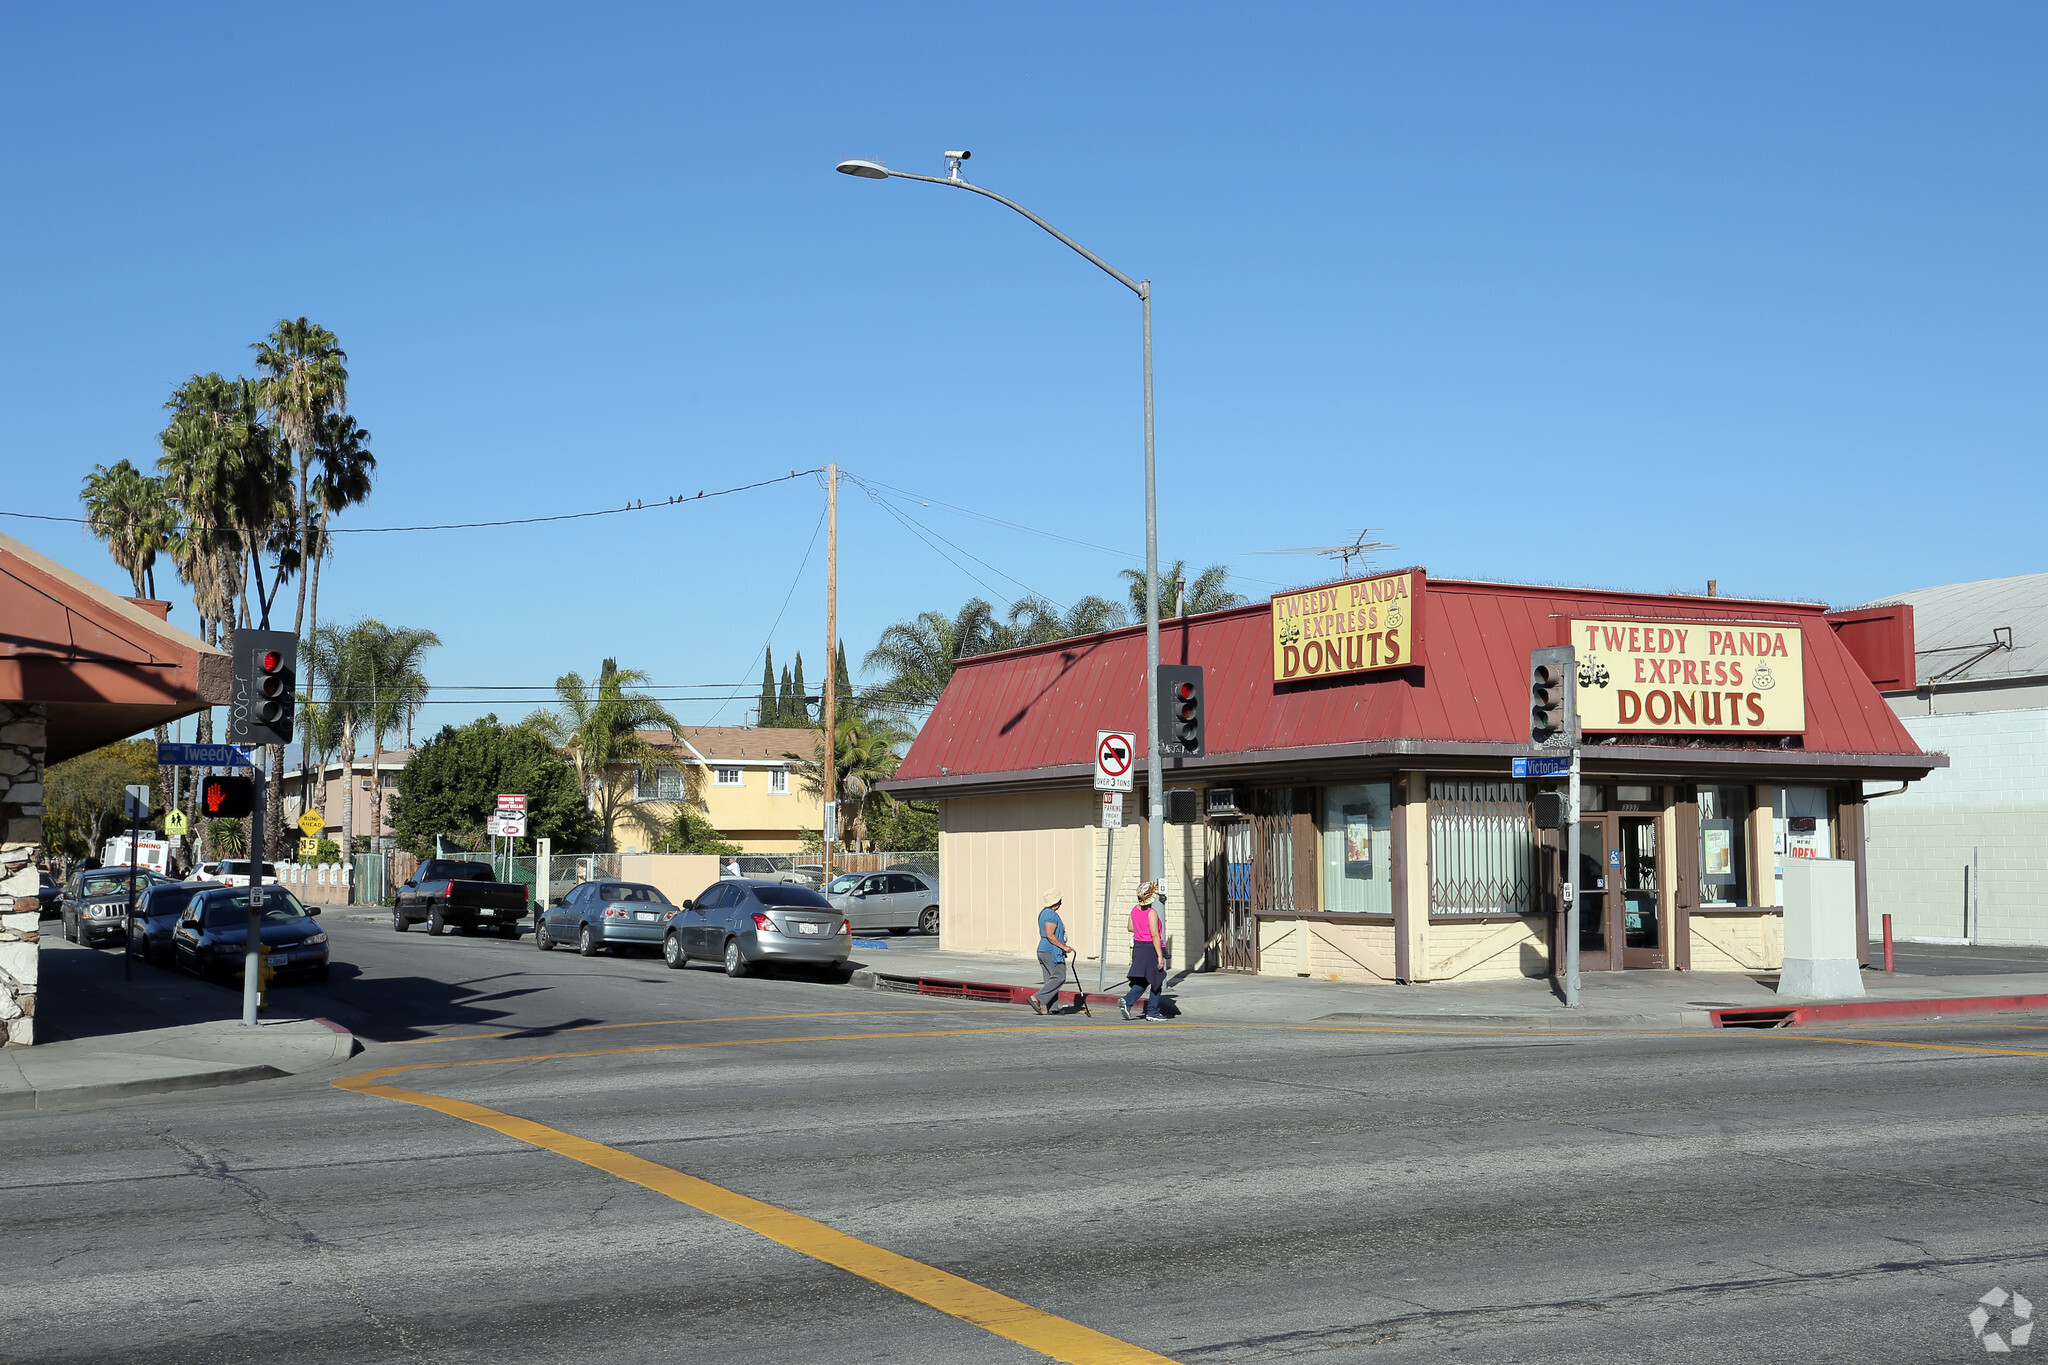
[[249, 472], [917, 657]]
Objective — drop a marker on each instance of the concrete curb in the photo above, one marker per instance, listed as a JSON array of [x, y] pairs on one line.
[[957, 988], [1563, 1018], [177, 1069]]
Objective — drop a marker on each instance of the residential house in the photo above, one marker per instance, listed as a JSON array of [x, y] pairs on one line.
[[745, 778], [331, 781]]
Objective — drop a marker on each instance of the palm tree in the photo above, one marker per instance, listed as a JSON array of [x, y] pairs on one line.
[[346, 466], [598, 728], [374, 685], [305, 379], [1177, 596], [865, 749], [917, 656], [131, 514], [1035, 621], [399, 690]]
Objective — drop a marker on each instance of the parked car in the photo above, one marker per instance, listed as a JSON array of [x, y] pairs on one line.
[[763, 867], [49, 896], [95, 907], [605, 916], [212, 935], [157, 912], [740, 923], [467, 895], [235, 871], [887, 900]]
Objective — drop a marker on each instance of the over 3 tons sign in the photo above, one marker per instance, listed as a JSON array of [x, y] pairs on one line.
[[1352, 627], [1691, 677]]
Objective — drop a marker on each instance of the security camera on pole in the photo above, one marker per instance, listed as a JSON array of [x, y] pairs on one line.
[[1554, 724]]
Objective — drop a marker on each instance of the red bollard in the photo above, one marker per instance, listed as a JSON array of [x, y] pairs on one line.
[[1887, 942]]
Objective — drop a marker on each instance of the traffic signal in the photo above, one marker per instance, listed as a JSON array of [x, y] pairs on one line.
[[1180, 709], [266, 687], [1553, 698], [226, 798]]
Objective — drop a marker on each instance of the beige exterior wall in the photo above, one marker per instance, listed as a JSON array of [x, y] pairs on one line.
[[1739, 942], [998, 854], [328, 796], [1327, 950], [1490, 950], [749, 815], [1416, 813], [679, 876]]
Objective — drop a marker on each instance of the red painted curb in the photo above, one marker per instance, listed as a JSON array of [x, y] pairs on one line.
[[957, 989], [1789, 1016], [330, 1024]]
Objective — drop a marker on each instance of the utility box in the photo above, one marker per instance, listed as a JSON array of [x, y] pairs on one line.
[[1820, 929]]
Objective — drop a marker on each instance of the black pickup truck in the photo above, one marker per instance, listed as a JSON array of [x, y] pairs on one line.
[[466, 895]]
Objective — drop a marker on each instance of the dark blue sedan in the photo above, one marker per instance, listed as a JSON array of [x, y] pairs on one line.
[[213, 934], [157, 911]]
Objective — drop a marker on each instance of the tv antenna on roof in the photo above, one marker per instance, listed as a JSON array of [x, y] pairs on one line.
[[1361, 549]]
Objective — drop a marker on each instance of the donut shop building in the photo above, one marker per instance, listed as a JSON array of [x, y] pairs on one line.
[[1352, 815]]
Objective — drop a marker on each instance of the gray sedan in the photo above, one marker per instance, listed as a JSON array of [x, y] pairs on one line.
[[740, 923], [605, 916], [896, 901]]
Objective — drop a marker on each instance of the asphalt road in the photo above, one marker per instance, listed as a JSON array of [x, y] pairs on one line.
[[1209, 1193]]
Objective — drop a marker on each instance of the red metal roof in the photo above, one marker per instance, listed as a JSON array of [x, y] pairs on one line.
[[1037, 708]]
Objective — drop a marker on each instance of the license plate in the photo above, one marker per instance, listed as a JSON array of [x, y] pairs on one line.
[[490, 912], [810, 928]]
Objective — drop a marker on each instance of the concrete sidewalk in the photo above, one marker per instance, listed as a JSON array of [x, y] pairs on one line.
[[1608, 999], [105, 1038]]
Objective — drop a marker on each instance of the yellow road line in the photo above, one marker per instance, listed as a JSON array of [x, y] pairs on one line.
[[652, 1023], [1029, 1327]]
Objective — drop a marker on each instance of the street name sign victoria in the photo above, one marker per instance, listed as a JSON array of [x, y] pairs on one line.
[[201, 756], [1546, 765]]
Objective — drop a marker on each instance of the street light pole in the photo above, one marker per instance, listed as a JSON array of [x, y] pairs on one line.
[[1155, 801]]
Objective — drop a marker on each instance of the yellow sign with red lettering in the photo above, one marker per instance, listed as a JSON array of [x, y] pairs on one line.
[[1691, 677], [1353, 627]]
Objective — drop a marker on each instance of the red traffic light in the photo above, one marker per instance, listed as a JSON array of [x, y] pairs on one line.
[[271, 659], [1186, 691]]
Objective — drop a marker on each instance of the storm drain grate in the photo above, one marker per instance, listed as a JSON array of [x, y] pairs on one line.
[[1761, 1018]]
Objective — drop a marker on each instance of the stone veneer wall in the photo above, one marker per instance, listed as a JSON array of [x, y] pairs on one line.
[[22, 745]]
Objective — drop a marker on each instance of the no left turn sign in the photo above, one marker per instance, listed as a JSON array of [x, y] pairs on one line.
[[1116, 753]]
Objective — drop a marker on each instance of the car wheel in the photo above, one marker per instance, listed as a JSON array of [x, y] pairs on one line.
[[586, 942], [928, 922], [540, 937], [672, 952], [436, 922], [735, 960], [399, 921]]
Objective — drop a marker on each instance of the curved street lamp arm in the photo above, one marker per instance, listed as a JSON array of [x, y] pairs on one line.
[[1141, 288]]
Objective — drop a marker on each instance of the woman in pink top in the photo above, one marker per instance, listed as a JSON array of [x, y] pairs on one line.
[[1148, 955]]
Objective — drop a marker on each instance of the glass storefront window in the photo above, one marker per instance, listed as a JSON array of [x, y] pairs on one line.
[[1802, 820], [1724, 846], [1358, 845], [1482, 849]]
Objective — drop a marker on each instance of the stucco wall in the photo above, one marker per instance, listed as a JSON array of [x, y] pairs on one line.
[[997, 856], [1991, 802], [1749, 942], [23, 740]]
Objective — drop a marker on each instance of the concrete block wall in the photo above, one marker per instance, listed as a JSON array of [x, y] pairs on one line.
[[1992, 801], [22, 747]]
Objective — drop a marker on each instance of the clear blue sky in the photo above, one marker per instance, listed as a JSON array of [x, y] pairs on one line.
[[1621, 295]]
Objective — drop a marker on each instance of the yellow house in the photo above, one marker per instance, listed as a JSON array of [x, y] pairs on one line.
[[744, 777]]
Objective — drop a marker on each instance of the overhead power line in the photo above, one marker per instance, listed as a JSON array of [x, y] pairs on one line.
[[637, 505]]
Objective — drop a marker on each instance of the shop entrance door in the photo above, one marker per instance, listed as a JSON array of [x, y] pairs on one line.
[[1621, 916]]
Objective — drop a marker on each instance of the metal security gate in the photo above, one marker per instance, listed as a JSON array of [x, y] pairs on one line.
[[1483, 857], [1250, 872]]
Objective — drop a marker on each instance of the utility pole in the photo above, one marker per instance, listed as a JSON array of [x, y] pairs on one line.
[[831, 716]]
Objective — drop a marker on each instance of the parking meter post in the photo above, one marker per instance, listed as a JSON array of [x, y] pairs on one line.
[[252, 962]]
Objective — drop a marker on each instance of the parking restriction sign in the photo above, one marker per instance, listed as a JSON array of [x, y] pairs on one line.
[[1116, 753]]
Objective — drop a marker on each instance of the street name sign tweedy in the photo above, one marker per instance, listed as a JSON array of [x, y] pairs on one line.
[[1691, 676], [1352, 627]]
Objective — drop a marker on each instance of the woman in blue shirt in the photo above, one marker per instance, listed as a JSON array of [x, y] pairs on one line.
[[1052, 953]]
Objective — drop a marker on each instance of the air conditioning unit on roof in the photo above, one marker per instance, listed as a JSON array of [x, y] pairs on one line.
[[1223, 804]]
